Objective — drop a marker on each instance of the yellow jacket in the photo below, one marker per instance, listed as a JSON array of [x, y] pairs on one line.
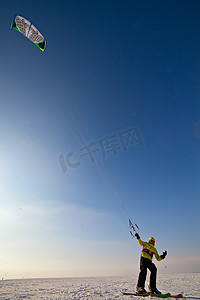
[[149, 250]]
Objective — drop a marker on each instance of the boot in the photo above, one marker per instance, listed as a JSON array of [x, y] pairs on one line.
[[140, 290], [154, 291]]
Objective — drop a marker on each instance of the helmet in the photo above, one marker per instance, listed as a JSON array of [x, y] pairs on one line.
[[152, 240]]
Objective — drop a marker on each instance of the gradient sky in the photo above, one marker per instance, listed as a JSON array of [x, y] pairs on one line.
[[109, 67]]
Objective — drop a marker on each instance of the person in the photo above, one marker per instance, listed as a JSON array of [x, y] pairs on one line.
[[146, 263]]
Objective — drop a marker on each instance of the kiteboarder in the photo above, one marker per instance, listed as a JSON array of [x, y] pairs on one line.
[[146, 263]]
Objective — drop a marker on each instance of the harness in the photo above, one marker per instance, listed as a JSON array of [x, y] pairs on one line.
[[148, 252]]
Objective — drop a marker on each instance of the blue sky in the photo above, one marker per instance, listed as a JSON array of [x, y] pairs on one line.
[[109, 67]]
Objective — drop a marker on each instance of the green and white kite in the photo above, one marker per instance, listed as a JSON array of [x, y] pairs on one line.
[[29, 30]]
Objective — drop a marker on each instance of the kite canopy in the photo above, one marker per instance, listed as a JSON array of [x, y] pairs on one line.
[[27, 28]]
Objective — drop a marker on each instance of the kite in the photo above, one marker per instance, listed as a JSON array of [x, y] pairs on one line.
[[29, 30]]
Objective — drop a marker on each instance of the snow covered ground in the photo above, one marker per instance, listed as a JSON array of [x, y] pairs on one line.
[[95, 287]]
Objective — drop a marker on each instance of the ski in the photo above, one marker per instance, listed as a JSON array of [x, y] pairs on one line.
[[167, 295], [134, 294]]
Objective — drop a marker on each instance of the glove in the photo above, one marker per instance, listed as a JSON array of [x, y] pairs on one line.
[[137, 236], [164, 254]]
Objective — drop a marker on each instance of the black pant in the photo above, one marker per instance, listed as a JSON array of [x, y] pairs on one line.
[[144, 264]]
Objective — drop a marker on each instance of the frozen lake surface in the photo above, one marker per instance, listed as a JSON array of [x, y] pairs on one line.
[[96, 287]]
